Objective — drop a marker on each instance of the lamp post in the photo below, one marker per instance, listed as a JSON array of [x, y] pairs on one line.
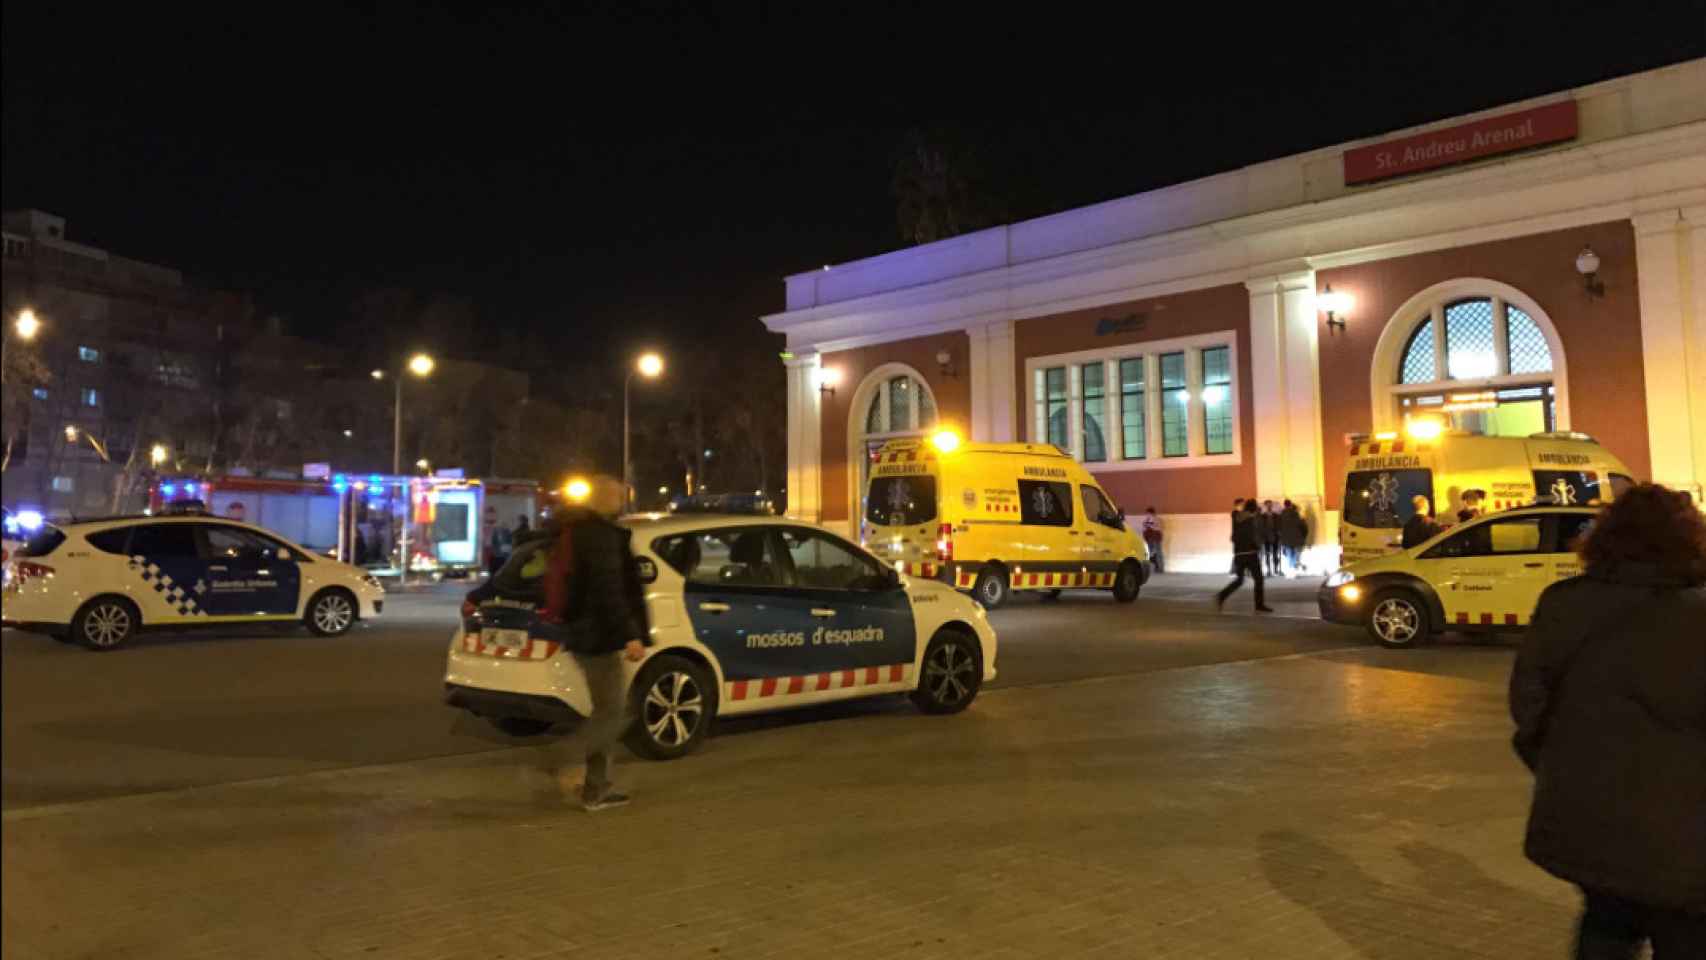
[[421, 366], [650, 365]]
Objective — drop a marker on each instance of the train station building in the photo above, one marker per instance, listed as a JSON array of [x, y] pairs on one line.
[[1539, 266]]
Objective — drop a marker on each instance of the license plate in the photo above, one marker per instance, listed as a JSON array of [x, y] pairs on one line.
[[505, 639]]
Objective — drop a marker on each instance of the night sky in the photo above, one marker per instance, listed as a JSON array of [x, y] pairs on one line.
[[655, 174]]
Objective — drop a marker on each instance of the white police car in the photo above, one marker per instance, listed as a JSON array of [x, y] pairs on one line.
[[748, 615], [99, 582]]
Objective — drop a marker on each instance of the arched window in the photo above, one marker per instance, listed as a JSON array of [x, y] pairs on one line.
[[1481, 362], [899, 407], [892, 402]]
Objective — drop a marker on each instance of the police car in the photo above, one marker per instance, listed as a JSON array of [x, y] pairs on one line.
[[748, 615], [99, 582], [1485, 575]]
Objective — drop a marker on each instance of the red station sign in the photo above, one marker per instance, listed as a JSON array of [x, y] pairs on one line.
[[1462, 143]]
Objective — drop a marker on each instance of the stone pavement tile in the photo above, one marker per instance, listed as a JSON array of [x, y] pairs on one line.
[[1315, 807]]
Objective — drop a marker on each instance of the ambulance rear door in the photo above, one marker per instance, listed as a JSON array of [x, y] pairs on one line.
[[903, 509]]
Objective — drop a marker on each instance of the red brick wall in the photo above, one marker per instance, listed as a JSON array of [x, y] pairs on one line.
[[1601, 336], [953, 400], [1179, 490]]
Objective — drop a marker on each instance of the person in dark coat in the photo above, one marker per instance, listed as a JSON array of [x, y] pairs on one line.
[[1270, 538], [1609, 699], [1247, 537], [592, 587], [1293, 533], [1421, 526], [1237, 516]]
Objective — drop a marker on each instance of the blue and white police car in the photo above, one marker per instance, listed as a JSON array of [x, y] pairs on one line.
[[100, 582], [749, 614]]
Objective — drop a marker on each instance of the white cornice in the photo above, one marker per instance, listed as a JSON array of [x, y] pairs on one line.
[[1592, 183]]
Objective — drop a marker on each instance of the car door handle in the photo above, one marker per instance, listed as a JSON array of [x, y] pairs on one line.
[[821, 612], [1534, 565], [714, 607], [219, 568]]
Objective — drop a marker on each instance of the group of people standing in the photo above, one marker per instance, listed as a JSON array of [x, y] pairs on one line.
[[1267, 541]]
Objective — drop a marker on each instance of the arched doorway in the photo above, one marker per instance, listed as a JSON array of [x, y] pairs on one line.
[[892, 402], [1479, 354]]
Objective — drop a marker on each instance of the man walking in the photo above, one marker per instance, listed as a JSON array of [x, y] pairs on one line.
[[1237, 515], [593, 589], [1246, 556], [1151, 528]]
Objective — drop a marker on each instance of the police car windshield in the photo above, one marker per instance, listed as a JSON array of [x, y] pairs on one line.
[[1380, 499], [901, 501]]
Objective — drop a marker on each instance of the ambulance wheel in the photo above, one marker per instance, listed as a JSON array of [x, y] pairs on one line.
[[991, 588], [674, 701], [331, 613], [521, 726], [1128, 582], [106, 623], [1397, 619], [952, 672]]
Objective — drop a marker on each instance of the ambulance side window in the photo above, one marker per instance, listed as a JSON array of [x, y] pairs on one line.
[[1620, 484], [1097, 508], [1045, 503]]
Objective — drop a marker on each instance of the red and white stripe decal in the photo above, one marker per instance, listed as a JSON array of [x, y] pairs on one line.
[[774, 687], [926, 570], [534, 650], [1055, 581], [964, 578], [1489, 619]]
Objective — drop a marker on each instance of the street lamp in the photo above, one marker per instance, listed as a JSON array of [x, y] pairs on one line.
[[420, 365], [650, 365], [157, 455], [27, 325]]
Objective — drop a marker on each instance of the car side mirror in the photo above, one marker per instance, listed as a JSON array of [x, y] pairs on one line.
[[891, 578]]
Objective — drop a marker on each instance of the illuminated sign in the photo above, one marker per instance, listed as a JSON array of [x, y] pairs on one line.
[[1462, 143]]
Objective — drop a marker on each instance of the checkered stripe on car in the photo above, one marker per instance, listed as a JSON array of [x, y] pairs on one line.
[[176, 595]]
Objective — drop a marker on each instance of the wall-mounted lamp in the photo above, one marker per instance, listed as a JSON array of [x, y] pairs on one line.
[[945, 362], [827, 378], [1336, 305], [1587, 264]]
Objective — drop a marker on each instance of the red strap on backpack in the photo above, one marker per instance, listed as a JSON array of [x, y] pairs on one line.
[[557, 574]]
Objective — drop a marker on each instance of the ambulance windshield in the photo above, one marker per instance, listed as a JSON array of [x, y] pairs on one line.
[[901, 501], [1380, 499]]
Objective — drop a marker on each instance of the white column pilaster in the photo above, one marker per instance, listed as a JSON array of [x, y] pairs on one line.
[[1694, 294], [979, 385], [1304, 469], [1003, 396], [1266, 404], [1665, 264], [805, 431]]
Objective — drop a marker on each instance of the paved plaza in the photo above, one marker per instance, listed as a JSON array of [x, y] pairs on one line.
[[1318, 798]]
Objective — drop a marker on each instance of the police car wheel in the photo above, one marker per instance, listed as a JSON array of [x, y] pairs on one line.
[[991, 587], [1397, 619], [674, 701], [951, 674], [105, 623], [1128, 582], [331, 613]]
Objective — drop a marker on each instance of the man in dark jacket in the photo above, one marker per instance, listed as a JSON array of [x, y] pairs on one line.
[[593, 589], [1294, 533], [1421, 526], [1247, 538], [1609, 699]]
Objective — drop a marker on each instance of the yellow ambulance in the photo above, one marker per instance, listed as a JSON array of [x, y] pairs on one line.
[[1385, 472], [997, 517]]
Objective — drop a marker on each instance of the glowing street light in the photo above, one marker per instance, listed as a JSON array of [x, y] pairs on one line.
[[27, 325], [157, 455], [650, 366], [70, 434], [420, 365]]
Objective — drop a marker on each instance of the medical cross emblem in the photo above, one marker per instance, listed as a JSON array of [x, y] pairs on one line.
[[1562, 493], [1042, 502], [1383, 492]]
